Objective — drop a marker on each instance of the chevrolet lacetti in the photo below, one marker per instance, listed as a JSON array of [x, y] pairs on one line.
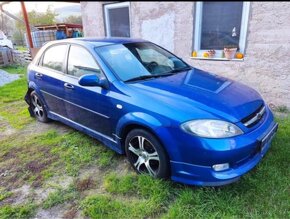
[[169, 118]]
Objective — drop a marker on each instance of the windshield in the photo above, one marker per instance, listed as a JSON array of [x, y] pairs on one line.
[[140, 60]]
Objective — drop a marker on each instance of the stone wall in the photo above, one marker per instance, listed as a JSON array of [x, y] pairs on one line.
[[266, 66]]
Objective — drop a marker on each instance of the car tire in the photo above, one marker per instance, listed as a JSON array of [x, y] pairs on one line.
[[38, 108], [146, 154]]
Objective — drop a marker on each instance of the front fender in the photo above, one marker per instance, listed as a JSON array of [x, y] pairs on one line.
[[159, 126], [137, 118]]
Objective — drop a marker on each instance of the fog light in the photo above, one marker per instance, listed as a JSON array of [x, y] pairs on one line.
[[221, 167]]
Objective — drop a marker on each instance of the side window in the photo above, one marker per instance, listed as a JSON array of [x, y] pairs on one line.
[[54, 57], [81, 62]]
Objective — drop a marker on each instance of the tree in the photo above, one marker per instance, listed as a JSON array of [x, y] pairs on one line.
[[73, 19], [38, 18], [35, 18]]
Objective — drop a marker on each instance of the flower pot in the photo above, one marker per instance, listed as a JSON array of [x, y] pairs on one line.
[[211, 53], [230, 52]]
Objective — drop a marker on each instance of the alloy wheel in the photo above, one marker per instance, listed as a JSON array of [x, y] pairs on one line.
[[143, 155], [37, 107]]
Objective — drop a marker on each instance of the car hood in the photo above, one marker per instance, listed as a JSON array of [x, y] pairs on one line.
[[217, 95]]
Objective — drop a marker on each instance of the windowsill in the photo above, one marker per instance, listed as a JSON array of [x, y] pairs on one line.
[[217, 59]]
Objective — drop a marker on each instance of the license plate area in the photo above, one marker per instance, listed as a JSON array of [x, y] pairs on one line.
[[267, 138]]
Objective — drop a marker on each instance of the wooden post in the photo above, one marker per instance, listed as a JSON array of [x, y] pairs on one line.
[[27, 25]]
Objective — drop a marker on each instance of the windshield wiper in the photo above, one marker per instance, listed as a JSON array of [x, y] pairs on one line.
[[142, 77], [179, 70]]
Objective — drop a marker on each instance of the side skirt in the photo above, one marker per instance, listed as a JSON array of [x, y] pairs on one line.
[[106, 140]]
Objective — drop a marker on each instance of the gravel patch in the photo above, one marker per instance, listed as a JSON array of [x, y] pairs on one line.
[[6, 78]]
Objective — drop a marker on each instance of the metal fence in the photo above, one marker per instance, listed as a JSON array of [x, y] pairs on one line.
[[39, 38], [21, 57]]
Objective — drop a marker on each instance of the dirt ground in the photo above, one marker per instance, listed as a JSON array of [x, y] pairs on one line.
[[24, 192]]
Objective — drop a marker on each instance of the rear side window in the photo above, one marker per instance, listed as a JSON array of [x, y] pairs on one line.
[[81, 62], [54, 57]]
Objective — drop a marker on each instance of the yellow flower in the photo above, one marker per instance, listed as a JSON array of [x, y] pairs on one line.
[[194, 54]]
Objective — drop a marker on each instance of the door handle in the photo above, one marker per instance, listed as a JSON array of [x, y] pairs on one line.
[[68, 86], [38, 75]]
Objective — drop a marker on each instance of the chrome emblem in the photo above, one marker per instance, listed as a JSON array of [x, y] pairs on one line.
[[259, 115]]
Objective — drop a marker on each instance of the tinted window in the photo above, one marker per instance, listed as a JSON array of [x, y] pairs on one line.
[[54, 57], [221, 24], [81, 62]]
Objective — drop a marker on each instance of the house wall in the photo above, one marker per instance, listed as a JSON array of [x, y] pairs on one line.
[[266, 65]]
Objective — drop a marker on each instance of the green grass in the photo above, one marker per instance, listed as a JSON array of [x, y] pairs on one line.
[[15, 114], [44, 155], [17, 212], [76, 151], [60, 196], [15, 69], [99, 190], [4, 195], [120, 185], [103, 206], [21, 48], [146, 197], [17, 89]]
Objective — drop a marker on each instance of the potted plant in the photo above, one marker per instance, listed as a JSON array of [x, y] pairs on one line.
[[230, 51], [211, 53]]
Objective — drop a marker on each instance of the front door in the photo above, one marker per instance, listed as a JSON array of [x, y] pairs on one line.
[[86, 106]]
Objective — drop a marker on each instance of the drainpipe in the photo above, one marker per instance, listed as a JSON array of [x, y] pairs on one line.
[[27, 25]]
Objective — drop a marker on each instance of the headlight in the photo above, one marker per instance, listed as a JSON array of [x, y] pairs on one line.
[[211, 128]]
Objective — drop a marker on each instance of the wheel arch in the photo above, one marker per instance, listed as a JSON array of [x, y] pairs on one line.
[[129, 127], [139, 120]]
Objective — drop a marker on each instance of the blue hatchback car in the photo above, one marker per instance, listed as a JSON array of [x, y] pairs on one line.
[[170, 119]]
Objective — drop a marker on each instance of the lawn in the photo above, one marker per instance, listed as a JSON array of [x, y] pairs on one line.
[[52, 171]]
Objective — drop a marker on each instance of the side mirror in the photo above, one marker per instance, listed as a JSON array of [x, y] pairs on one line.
[[91, 80]]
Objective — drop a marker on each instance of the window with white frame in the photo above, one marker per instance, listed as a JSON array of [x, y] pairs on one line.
[[219, 25], [117, 19]]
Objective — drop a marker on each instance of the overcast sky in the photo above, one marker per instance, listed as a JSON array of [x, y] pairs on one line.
[[15, 7]]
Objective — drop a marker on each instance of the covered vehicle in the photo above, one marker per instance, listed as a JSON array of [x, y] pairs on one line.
[[4, 41]]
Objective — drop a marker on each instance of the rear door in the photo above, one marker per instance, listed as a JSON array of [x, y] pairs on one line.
[[50, 77], [87, 106]]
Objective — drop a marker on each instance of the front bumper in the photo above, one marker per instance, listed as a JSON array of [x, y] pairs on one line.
[[248, 150]]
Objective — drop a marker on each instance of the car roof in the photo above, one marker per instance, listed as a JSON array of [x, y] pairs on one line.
[[101, 41]]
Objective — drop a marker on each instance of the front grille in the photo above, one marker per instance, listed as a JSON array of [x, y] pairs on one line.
[[254, 117]]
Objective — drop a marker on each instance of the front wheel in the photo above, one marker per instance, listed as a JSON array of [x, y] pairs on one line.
[[38, 107], [146, 154]]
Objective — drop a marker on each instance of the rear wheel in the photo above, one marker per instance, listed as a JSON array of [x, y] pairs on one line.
[[146, 154], [38, 107]]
